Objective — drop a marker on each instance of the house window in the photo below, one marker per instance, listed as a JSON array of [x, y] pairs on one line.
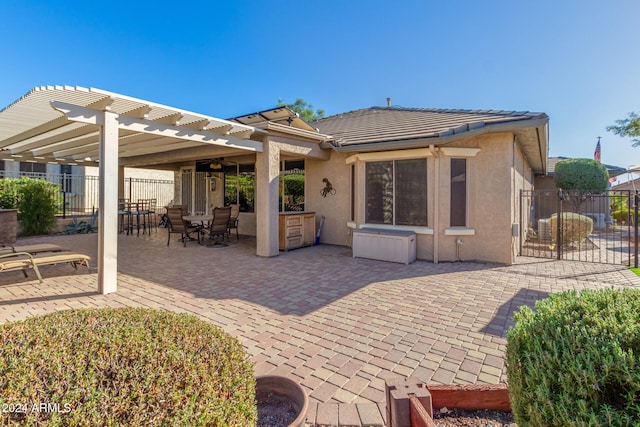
[[458, 206], [396, 192], [292, 186], [352, 215], [239, 186], [33, 168]]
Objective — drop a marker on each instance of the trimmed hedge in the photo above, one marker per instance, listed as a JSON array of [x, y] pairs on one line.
[[575, 227], [36, 200], [127, 366], [574, 361]]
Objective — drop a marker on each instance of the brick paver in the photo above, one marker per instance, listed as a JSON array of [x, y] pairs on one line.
[[338, 325]]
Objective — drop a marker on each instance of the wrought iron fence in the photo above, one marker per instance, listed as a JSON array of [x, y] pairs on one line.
[[79, 194], [553, 225]]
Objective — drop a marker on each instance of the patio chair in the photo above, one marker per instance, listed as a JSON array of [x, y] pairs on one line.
[[176, 225], [233, 221], [153, 218], [219, 226]]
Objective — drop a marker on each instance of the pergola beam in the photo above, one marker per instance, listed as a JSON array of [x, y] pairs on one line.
[[62, 133], [78, 141], [91, 116]]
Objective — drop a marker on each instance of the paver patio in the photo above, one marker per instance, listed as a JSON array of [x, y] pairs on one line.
[[338, 325]]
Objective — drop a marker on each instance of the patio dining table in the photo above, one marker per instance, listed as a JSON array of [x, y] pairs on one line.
[[201, 219]]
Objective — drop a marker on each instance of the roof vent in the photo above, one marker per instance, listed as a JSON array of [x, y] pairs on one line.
[[388, 102]]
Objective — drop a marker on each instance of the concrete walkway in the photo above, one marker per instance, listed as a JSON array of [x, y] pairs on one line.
[[338, 325]]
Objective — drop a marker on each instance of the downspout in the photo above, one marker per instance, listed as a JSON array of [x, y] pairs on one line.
[[436, 203]]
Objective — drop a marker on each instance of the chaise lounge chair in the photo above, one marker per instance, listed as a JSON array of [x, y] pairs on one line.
[[24, 260], [32, 249]]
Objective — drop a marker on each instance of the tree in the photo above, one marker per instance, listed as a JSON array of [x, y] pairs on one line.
[[581, 174], [578, 176], [628, 127], [303, 108]]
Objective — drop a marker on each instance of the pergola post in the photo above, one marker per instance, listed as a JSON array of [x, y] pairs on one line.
[[267, 184], [108, 205]]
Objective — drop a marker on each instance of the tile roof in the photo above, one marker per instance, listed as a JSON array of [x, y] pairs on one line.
[[386, 124]]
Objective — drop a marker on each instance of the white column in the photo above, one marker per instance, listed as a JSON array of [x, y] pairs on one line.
[[267, 182], [108, 205]]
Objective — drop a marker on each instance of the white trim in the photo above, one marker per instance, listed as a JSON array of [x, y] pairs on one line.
[[459, 231], [108, 204], [390, 155], [416, 229], [91, 116], [459, 151], [352, 224]]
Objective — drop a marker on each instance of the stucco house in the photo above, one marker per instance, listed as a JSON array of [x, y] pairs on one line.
[[451, 176]]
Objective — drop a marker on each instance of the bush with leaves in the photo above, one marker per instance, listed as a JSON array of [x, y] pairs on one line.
[[125, 366], [581, 174], [36, 200], [575, 227], [9, 192], [37, 206], [573, 361]]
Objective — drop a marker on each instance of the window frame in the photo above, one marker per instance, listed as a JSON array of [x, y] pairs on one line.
[[458, 194], [394, 194], [236, 174]]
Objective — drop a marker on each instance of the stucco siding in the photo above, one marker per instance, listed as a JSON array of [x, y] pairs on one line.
[[336, 208], [489, 182]]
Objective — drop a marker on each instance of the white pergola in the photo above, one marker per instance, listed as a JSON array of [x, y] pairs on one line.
[[88, 127]]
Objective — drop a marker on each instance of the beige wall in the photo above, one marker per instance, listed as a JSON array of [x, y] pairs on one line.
[[489, 181], [336, 208], [495, 176]]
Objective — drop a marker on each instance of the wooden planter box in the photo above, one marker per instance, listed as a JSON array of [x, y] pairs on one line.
[[469, 397], [410, 402]]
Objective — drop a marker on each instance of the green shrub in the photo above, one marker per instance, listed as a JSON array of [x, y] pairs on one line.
[[621, 215], [37, 206], [574, 360], [581, 174], [575, 227], [9, 192], [128, 367], [36, 200]]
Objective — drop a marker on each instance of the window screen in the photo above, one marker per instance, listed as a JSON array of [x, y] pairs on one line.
[[411, 192], [458, 192], [379, 192], [396, 192]]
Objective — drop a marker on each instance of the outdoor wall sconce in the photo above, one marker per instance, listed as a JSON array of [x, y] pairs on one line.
[[328, 188]]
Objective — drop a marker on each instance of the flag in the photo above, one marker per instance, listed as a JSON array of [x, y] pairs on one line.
[[596, 154]]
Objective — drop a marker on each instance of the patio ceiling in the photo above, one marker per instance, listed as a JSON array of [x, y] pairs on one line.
[[57, 124]]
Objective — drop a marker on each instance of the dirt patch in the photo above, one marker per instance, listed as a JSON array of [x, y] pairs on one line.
[[483, 418], [275, 413]]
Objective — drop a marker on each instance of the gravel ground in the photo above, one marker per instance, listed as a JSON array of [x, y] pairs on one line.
[[484, 418]]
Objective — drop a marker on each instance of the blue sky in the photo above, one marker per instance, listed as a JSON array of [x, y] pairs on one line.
[[577, 61]]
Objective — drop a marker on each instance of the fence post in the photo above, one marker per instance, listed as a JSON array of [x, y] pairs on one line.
[[559, 226], [635, 230]]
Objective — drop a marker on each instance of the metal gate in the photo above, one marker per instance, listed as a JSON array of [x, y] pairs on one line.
[[554, 224]]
